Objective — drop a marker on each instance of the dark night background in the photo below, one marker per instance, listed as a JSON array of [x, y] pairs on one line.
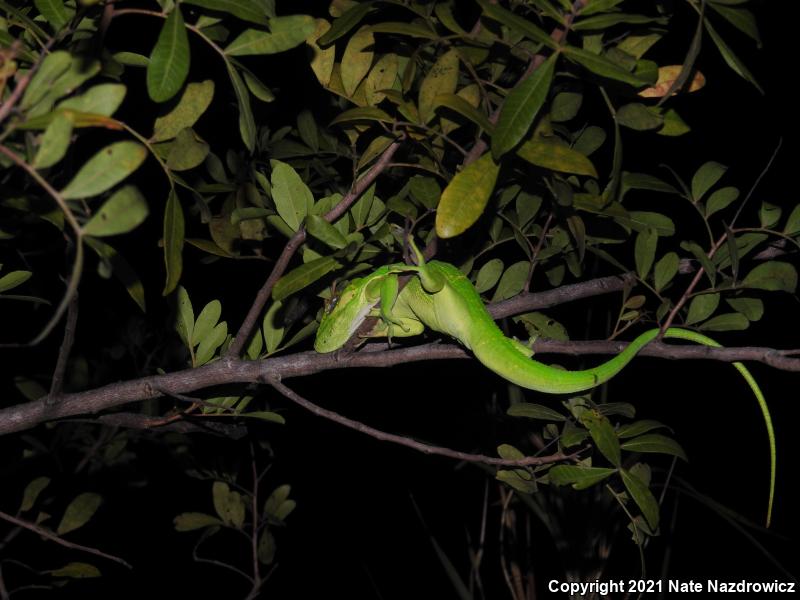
[[355, 531]]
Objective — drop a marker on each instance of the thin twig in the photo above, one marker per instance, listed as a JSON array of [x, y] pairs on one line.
[[46, 533], [57, 385], [413, 444]]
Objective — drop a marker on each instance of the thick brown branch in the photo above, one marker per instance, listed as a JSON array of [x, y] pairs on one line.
[[294, 243], [413, 444], [231, 370]]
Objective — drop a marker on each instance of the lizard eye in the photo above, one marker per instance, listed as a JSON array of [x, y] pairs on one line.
[[330, 303]]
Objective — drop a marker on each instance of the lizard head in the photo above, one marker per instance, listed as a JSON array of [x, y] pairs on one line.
[[347, 310]]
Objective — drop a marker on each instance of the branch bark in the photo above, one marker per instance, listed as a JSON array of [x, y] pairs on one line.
[[229, 370]]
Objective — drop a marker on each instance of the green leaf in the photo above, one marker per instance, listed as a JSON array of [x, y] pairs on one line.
[[521, 107], [187, 151], [638, 428], [357, 59], [32, 491], [752, 308], [325, 232], [273, 331], [53, 66], [656, 443], [512, 281], [105, 169], [519, 479], [518, 24], [643, 497], [458, 104], [349, 19], [121, 268], [131, 59], [442, 78], [556, 157], [465, 197], [534, 411], [726, 322], [638, 117], [666, 269], [600, 65], [184, 322], [103, 99], [772, 276], [247, 124], [793, 222], [206, 321], [265, 551], [265, 415], [603, 434], [209, 343], [489, 275], [769, 214], [13, 279], [194, 101], [705, 178], [291, 195], [401, 28], [121, 213], [720, 199], [730, 58], [565, 106], [363, 113], [76, 570], [79, 512], [284, 34], [173, 241], [307, 128], [55, 141], [303, 276], [257, 87], [169, 61], [645, 251], [579, 478], [54, 11], [247, 10], [191, 521], [229, 504], [702, 307], [614, 18], [741, 18]]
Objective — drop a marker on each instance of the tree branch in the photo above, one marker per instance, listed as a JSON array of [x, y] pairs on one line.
[[413, 444], [46, 533], [231, 370]]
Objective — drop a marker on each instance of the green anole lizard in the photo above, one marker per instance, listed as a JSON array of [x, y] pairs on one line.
[[441, 298]]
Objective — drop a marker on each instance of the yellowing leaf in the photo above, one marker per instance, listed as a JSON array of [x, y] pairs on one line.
[[666, 77], [465, 197], [357, 59], [194, 101], [556, 157], [441, 79], [284, 34]]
